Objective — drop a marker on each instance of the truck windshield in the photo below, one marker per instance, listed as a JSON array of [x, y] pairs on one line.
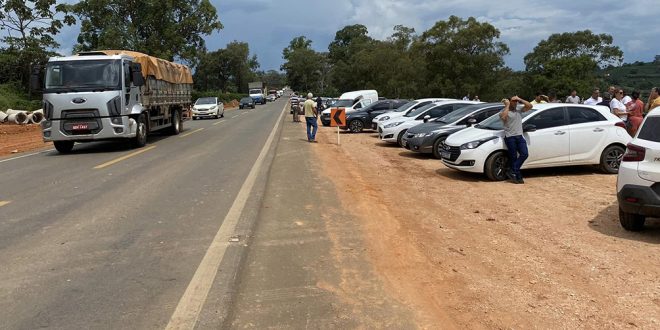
[[87, 75], [255, 91], [342, 104]]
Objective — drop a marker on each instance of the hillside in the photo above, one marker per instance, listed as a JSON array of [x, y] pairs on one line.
[[635, 76]]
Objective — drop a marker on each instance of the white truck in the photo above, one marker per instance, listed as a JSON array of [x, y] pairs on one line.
[[350, 101], [111, 95], [256, 91]]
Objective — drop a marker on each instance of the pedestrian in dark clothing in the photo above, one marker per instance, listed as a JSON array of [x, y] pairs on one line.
[[513, 136], [319, 104]]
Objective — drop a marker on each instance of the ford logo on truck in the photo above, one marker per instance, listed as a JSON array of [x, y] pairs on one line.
[[79, 100]]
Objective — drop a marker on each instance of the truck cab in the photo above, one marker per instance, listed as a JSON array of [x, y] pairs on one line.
[[257, 95]]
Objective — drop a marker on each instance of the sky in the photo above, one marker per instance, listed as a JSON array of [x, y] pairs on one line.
[[269, 25]]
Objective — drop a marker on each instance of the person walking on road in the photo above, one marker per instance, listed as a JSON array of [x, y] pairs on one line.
[[311, 116], [513, 136]]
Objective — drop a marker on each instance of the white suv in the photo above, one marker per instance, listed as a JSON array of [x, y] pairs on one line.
[[638, 184]]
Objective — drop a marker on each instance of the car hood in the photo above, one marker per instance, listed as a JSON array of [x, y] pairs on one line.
[[246, 102], [472, 134], [204, 106], [391, 114], [398, 119]]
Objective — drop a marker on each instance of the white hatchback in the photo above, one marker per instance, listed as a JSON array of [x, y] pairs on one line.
[[208, 107], [556, 135], [638, 183]]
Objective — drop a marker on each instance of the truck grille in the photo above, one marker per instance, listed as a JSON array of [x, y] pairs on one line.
[[75, 117]]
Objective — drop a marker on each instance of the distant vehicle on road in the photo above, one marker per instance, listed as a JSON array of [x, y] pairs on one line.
[[639, 175], [246, 102], [271, 98], [111, 95], [256, 92], [557, 135], [428, 137], [208, 107], [357, 121]]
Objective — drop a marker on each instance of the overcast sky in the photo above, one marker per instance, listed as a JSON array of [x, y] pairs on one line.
[[269, 25]]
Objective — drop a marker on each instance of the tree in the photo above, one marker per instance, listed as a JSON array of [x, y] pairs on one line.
[[296, 43], [462, 56], [229, 69], [169, 29], [30, 27], [348, 42], [571, 60]]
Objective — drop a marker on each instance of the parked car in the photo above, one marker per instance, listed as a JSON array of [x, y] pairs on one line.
[[271, 98], [351, 101], [394, 129], [206, 107], [402, 110], [639, 176], [556, 135], [428, 137], [246, 102], [357, 121]]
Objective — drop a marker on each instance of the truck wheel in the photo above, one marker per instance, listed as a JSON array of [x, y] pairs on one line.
[[496, 166], [610, 159], [175, 129], [437, 146], [63, 147], [631, 222], [140, 139]]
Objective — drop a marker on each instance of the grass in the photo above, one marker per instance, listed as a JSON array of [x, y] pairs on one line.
[[12, 97]]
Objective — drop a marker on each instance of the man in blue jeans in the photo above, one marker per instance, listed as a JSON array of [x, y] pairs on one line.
[[311, 118], [513, 136]]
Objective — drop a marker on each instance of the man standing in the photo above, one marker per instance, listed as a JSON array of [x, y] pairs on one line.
[[295, 108], [654, 99], [311, 118], [539, 99], [573, 98], [513, 136], [595, 98]]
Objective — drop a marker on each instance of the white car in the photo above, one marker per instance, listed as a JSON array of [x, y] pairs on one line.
[[639, 174], [208, 107], [404, 109], [394, 129], [556, 135]]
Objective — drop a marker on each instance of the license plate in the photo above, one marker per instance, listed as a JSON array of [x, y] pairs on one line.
[[446, 154], [80, 127]]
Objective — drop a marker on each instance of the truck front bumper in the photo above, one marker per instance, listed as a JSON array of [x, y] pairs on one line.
[[96, 129]]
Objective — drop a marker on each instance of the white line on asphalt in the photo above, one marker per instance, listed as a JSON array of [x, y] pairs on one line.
[[187, 311], [23, 156], [235, 116], [3, 203], [191, 133], [122, 158], [218, 123]]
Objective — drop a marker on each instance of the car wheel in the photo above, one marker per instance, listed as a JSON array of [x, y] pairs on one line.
[[175, 129], [610, 160], [63, 147], [223, 114], [631, 222], [140, 139], [496, 166], [356, 126], [324, 124], [437, 147], [399, 139]]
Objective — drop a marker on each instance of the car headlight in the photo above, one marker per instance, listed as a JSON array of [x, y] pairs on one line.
[[477, 143], [385, 118], [214, 108], [393, 124], [423, 135]]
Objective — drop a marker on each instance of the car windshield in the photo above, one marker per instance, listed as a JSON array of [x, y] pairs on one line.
[[405, 106], [421, 110], [496, 124], [459, 114], [206, 100], [246, 100], [83, 75], [342, 104]]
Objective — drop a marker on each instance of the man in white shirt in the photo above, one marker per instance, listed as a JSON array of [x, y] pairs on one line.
[[573, 98], [595, 98]]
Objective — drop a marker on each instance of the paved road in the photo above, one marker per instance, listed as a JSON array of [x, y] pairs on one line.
[[110, 238]]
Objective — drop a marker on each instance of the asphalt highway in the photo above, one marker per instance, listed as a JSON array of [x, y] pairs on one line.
[[109, 237]]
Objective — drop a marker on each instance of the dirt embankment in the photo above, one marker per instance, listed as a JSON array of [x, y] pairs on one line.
[[20, 138], [464, 252]]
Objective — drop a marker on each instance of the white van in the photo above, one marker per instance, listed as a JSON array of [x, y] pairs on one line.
[[351, 101]]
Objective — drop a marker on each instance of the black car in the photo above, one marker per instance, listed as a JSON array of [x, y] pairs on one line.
[[428, 137], [359, 120], [246, 102]]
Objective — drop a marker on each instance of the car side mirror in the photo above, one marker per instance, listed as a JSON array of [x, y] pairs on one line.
[[471, 122], [426, 118], [529, 128]]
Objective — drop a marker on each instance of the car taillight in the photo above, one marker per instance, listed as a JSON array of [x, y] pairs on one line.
[[620, 124], [634, 153]]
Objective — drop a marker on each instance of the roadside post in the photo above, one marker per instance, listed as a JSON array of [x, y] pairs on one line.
[[338, 119]]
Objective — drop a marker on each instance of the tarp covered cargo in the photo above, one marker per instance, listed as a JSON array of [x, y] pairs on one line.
[[159, 68]]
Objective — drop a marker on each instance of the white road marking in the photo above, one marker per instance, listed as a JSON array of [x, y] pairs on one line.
[[3, 203], [191, 133], [187, 311], [28, 155], [218, 123]]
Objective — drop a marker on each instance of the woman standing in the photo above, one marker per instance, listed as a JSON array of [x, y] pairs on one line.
[[635, 113], [617, 107]]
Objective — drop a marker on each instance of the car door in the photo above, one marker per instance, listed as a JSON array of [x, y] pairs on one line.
[[549, 144], [588, 131], [379, 109]]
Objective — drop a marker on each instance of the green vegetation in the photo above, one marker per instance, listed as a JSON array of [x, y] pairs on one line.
[[635, 76], [12, 97]]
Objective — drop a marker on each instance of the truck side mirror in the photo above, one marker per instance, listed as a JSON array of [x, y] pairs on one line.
[[36, 79], [136, 75]]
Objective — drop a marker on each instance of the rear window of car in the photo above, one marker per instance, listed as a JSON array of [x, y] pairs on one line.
[[650, 131]]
